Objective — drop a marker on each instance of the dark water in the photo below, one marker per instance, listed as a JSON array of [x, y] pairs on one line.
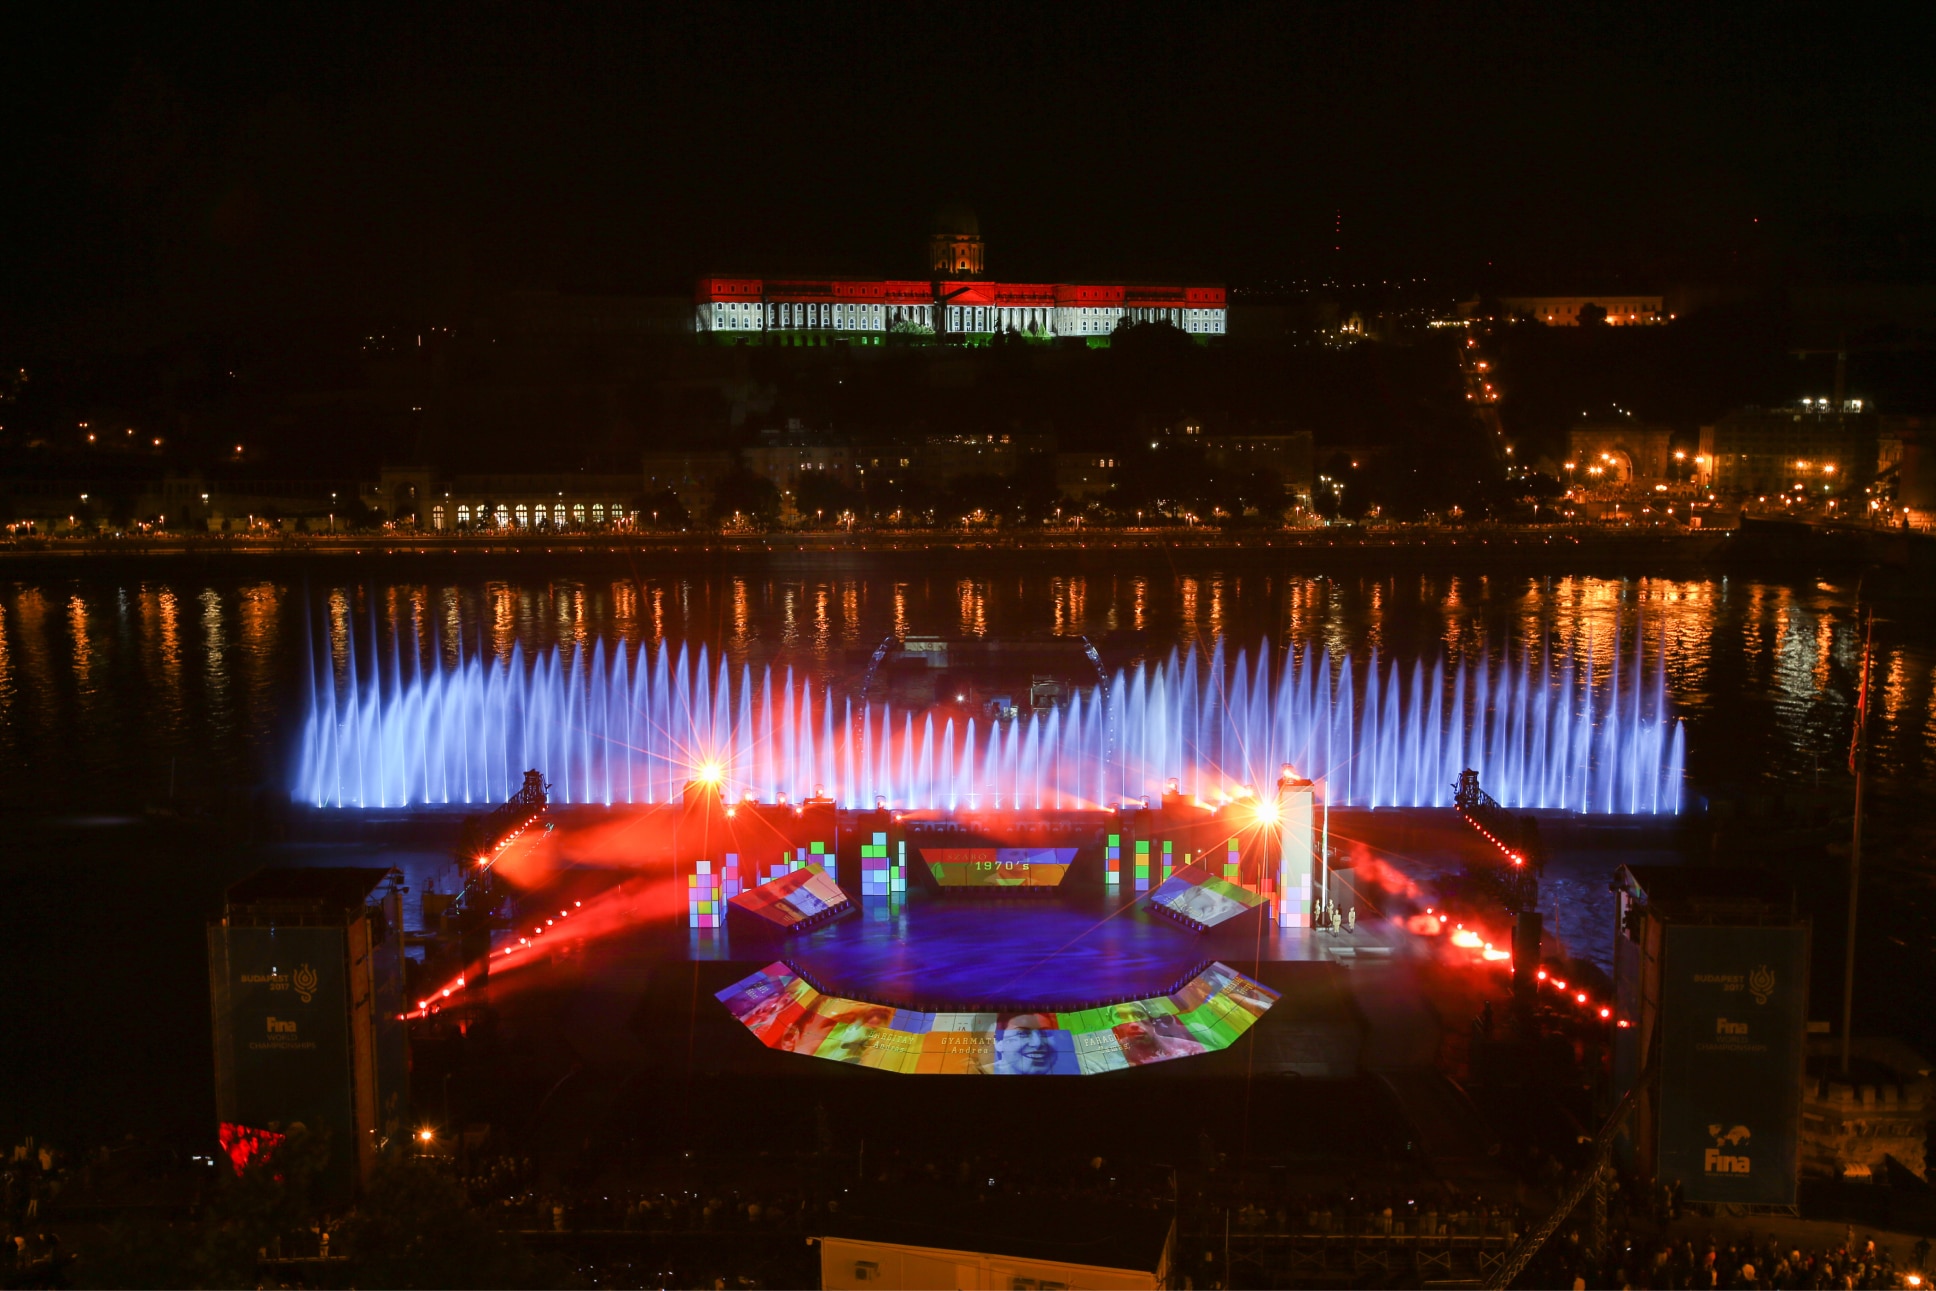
[[111, 692], [146, 726]]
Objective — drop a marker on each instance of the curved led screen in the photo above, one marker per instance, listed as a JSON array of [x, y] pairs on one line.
[[1208, 1013], [998, 867]]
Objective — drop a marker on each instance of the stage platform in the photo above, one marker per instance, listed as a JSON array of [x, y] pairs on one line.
[[1060, 953], [617, 971]]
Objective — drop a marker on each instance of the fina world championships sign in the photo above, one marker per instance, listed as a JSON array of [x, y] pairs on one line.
[[1733, 1028]]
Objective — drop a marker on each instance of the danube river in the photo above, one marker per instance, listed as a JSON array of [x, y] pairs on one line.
[[151, 726]]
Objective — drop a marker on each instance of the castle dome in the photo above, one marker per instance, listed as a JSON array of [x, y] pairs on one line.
[[955, 220], [954, 247]]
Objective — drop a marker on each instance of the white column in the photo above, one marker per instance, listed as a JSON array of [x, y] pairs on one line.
[[1295, 800]]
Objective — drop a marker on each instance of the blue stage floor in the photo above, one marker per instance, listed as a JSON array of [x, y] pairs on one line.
[[1022, 953]]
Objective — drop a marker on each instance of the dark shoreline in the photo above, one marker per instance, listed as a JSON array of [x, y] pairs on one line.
[[1788, 549]]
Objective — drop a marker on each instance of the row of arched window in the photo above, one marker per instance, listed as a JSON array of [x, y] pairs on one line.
[[523, 515]]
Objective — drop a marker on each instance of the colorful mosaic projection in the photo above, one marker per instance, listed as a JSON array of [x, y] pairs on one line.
[[998, 867], [1204, 898], [880, 874], [1112, 860], [712, 884], [705, 897], [1209, 1013], [794, 897], [796, 858]]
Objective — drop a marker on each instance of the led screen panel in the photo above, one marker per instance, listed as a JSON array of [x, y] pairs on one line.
[[793, 897], [282, 1033], [1206, 899], [998, 867], [1733, 1034], [1209, 1013]]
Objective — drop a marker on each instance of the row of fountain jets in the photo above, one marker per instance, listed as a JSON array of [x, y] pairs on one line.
[[618, 724]]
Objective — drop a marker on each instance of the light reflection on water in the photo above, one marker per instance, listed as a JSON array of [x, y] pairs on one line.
[[103, 683]]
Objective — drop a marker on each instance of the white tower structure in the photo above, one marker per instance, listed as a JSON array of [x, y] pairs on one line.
[[1295, 812]]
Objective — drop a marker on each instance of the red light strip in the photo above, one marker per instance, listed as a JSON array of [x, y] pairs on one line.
[[1510, 854], [434, 1002]]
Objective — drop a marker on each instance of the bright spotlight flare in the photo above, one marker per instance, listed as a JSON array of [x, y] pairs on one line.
[[390, 723]]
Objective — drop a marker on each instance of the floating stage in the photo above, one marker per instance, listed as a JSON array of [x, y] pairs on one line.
[[1078, 942], [760, 891]]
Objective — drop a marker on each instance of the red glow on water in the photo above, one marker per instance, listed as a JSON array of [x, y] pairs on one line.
[[1371, 869]]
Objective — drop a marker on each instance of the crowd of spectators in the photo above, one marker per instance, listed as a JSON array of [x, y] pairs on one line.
[[739, 1221], [1667, 1260]]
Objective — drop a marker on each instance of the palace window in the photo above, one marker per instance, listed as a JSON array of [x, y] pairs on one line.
[[558, 515], [463, 516], [598, 512], [504, 515], [524, 516], [437, 518]]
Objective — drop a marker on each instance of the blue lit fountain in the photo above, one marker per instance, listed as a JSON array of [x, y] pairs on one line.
[[617, 723]]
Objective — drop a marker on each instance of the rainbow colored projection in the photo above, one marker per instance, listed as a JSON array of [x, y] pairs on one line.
[[616, 723], [998, 867], [794, 898], [1209, 1012], [1205, 899]]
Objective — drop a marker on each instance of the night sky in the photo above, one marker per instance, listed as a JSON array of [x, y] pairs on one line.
[[321, 161]]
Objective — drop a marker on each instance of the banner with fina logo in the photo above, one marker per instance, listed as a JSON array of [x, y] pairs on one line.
[[1732, 1034]]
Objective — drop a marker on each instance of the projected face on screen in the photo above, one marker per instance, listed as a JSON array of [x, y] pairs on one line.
[[1156, 1039], [854, 1032], [1029, 1044], [1208, 1013]]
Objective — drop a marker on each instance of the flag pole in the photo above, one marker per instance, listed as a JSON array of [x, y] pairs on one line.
[[1859, 764]]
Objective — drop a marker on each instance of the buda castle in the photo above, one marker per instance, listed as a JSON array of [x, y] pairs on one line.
[[959, 301]]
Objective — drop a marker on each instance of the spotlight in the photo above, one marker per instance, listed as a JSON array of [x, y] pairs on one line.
[[710, 773], [1268, 812]]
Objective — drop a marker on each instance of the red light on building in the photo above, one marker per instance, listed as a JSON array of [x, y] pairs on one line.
[[958, 301]]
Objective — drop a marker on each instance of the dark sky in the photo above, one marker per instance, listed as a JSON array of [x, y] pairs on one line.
[[399, 162]]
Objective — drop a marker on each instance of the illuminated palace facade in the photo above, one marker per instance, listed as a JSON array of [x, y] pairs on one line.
[[958, 301]]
